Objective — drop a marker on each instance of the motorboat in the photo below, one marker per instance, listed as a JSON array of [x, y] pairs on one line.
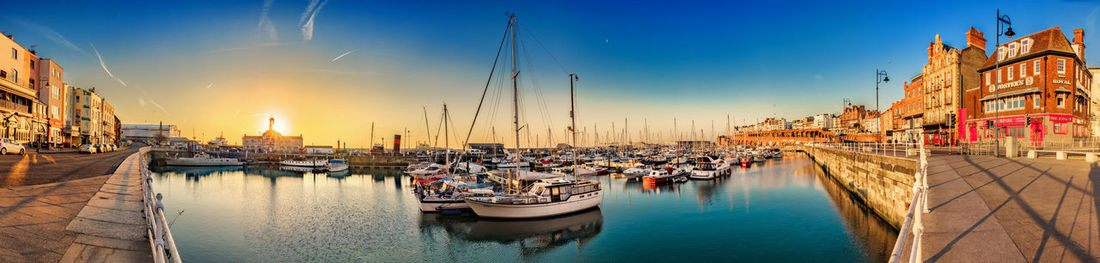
[[665, 175], [447, 194], [203, 159], [432, 169], [707, 168], [544, 198], [337, 165], [637, 171]]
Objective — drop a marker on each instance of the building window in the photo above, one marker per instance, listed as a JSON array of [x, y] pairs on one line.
[[1061, 100], [32, 64], [1061, 66], [1025, 45], [1035, 100], [998, 76], [1010, 73], [14, 54], [1012, 48], [1036, 67], [987, 78], [1023, 69], [1060, 128]]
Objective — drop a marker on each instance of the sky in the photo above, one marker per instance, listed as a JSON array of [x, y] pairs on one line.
[[330, 69]]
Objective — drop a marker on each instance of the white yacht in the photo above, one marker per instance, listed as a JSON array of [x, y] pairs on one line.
[[707, 168], [544, 198], [203, 159]]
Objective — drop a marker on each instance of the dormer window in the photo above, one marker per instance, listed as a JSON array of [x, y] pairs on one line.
[[1025, 46], [1001, 52], [1012, 48]]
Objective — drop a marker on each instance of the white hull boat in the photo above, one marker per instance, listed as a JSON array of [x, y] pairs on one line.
[[498, 210], [305, 163], [545, 198]]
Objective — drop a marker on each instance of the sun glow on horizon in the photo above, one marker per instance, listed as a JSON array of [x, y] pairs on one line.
[[281, 125]]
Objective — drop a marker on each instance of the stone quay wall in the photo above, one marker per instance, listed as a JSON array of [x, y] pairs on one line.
[[883, 183]]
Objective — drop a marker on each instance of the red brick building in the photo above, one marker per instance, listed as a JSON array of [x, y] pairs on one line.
[[908, 112], [1033, 88]]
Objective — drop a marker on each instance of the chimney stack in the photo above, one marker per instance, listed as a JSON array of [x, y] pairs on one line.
[[1079, 43], [975, 38]]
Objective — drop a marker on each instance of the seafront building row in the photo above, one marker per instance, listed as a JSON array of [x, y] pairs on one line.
[[1037, 88], [39, 108]]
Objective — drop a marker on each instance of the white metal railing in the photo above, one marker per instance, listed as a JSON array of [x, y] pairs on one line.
[[160, 237], [887, 149], [914, 218]]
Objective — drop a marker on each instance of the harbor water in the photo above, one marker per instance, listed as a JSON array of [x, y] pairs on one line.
[[780, 211]]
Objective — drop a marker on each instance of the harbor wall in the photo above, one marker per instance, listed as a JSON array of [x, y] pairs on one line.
[[883, 183], [157, 156]]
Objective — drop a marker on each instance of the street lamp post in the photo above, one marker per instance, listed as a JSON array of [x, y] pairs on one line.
[[1002, 20], [880, 76]]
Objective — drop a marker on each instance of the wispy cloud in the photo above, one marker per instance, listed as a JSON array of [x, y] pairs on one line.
[[210, 86], [306, 13], [307, 27], [266, 27], [342, 55], [49, 34], [104, 65], [142, 102], [819, 76]]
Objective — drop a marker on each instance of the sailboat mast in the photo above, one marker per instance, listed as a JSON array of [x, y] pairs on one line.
[[573, 120], [515, 92], [446, 141]]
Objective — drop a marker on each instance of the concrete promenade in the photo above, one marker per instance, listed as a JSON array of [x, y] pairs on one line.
[[989, 209], [94, 219]]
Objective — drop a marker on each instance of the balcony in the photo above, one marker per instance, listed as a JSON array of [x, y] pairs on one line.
[[9, 86], [12, 106]]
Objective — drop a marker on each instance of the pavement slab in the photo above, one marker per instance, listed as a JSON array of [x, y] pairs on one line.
[[1011, 210]]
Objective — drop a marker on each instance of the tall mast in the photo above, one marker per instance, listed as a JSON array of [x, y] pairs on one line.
[[446, 141], [573, 120], [515, 92]]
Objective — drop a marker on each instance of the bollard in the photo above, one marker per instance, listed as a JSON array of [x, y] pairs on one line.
[[1031, 154], [1061, 155]]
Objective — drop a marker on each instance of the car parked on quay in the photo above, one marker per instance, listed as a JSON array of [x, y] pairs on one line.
[[10, 146]]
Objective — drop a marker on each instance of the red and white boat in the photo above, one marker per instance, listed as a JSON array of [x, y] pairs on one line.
[[663, 175]]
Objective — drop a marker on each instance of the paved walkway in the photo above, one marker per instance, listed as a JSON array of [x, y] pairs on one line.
[[94, 219], [987, 209]]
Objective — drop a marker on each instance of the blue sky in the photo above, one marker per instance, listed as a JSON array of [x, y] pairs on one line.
[[212, 66]]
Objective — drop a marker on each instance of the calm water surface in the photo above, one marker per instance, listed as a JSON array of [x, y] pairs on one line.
[[782, 211]]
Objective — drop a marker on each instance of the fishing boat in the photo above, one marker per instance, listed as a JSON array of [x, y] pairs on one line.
[[202, 159]]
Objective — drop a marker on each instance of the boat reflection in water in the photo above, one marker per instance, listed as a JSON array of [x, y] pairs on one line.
[[194, 172], [532, 236]]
